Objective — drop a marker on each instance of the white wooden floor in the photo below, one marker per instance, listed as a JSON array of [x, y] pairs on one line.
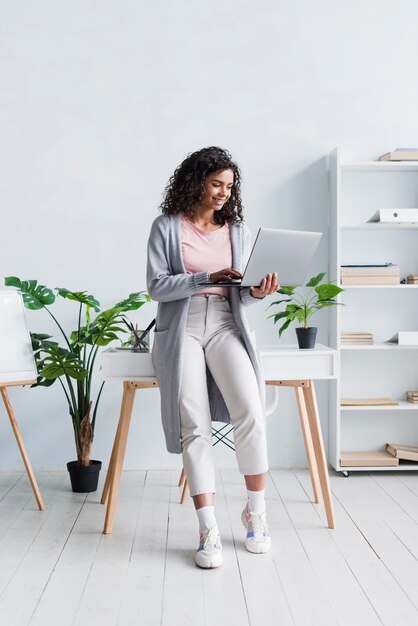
[[56, 568]]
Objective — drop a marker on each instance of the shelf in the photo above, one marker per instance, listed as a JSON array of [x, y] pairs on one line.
[[403, 405], [381, 226], [357, 189], [367, 468], [346, 287], [380, 166], [378, 346]]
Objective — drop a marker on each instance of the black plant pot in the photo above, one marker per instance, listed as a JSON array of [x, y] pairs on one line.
[[84, 479], [306, 337]]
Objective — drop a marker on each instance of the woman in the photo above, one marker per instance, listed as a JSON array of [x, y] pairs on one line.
[[204, 356]]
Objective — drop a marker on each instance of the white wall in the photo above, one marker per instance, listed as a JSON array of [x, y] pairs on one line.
[[99, 103]]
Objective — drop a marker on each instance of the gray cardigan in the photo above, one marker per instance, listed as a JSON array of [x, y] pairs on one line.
[[172, 287]]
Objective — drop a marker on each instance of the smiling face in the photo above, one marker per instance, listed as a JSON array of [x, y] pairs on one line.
[[218, 188]]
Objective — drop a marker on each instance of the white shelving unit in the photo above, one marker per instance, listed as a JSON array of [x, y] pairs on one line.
[[357, 190]]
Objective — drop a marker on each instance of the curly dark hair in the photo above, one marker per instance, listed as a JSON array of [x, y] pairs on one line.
[[185, 189]]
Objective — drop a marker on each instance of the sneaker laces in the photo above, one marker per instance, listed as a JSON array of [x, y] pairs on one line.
[[211, 538], [259, 523]]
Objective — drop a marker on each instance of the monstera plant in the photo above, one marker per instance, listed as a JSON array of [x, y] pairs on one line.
[[72, 362]]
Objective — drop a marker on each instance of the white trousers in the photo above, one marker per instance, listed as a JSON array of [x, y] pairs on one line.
[[212, 339]]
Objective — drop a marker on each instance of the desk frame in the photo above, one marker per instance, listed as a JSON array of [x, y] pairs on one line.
[[311, 430], [19, 438]]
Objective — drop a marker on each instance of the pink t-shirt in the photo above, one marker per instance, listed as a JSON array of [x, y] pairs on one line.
[[206, 251]]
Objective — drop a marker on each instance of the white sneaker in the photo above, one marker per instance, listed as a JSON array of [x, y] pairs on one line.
[[258, 538], [209, 553]]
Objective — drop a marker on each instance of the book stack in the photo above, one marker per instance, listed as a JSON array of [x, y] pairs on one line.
[[401, 154], [412, 396], [370, 274], [412, 279], [356, 339], [401, 451]]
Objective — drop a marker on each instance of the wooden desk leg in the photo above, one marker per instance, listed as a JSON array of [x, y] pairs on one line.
[[184, 492], [182, 477], [318, 445], [22, 449], [119, 454], [307, 438], [110, 469]]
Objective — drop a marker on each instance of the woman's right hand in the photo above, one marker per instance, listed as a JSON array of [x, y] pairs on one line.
[[224, 275]]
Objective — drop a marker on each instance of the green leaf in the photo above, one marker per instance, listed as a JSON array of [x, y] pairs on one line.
[[34, 296], [292, 308], [327, 291], [43, 382], [278, 302], [283, 328], [306, 314], [322, 305], [59, 362], [315, 280], [102, 331], [280, 316], [37, 339], [287, 291], [79, 296], [133, 302]]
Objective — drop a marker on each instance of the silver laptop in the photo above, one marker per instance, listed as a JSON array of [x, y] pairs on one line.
[[287, 252]]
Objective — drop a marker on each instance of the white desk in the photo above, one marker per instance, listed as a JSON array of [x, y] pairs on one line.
[[282, 365]]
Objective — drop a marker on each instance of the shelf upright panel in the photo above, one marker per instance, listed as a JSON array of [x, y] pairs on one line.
[[334, 312]]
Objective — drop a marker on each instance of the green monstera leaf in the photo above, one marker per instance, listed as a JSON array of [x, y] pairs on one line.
[[133, 302], [61, 362], [80, 296], [34, 296], [102, 331]]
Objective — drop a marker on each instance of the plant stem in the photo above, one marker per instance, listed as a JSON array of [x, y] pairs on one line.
[[60, 327], [89, 377], [93, 421], [65, 391], [73, 415]]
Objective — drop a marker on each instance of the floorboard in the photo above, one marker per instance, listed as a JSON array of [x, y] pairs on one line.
[[56, 566]]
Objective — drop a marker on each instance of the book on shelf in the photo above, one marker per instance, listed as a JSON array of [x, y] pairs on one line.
[[379, 458], [401, 451], [412, 396], [370, 270], [405, 338], [387, 274], [400, 154], [384, 401], [385, 264], [356, 342], [412, 279], [354, 338], [395, 216], [370, 280]]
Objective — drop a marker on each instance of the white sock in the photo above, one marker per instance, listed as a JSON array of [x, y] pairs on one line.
[[256, 501], [207, 519]]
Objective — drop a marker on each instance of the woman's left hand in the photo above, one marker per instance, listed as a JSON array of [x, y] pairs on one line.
[[267, 286]]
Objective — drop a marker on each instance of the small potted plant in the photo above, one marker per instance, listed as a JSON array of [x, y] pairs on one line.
[[73, 363], [301, 307]]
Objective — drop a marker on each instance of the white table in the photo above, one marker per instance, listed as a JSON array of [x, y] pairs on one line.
[[283, 365]]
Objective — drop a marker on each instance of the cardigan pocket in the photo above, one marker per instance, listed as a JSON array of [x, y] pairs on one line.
[[159, 348]]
